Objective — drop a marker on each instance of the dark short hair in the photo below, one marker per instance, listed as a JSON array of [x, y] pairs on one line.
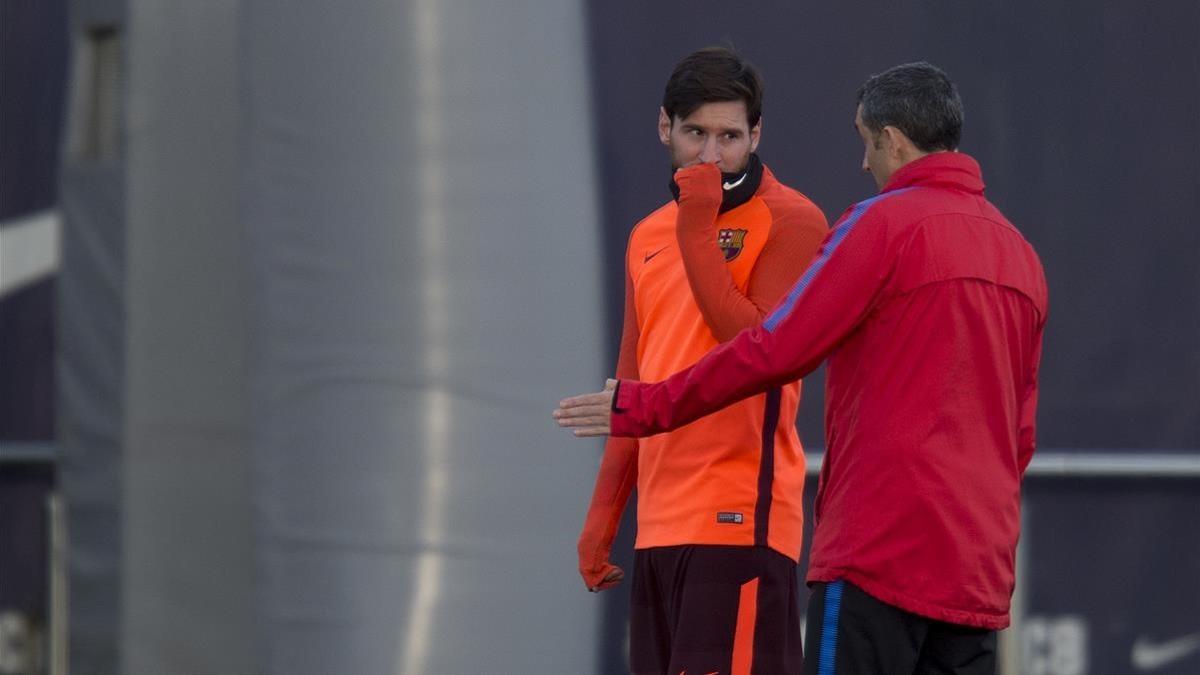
[[712, 75], [918, 99]]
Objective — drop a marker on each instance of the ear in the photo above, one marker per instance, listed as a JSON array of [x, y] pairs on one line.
[[664, 127], [895, 142], [756, 134]]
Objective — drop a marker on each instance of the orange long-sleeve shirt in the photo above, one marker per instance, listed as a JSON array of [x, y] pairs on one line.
[[693, 281]]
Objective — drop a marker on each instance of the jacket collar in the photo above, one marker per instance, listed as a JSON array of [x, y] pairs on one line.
[[953, 170]]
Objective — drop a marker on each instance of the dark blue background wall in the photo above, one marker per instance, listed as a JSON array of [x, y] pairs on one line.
[[1083, 117], [33, 52]]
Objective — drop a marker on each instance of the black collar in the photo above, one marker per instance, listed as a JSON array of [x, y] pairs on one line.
[[738, 187]]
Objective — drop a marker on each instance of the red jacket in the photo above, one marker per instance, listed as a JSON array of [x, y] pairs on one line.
[[930, 308]]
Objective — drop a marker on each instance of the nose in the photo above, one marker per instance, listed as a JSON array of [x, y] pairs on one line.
[[865, 167], [710, 153]]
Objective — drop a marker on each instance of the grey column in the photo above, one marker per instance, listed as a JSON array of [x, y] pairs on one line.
[[420, 208], [188, 576]]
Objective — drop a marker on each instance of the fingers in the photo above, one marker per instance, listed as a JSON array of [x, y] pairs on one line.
[[698, 175], [600, 398], [581, 412], [585, 420], [597, 419], [611, 579], [698, 169], [699, 186], [587, 414], [588, 432]]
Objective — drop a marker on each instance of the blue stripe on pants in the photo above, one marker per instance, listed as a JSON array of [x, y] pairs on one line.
[[833, 607]]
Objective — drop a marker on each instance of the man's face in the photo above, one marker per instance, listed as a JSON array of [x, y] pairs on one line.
[[716, 133], [876, 155]]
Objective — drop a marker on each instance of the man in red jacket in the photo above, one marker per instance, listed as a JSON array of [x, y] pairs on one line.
[[930, 307]]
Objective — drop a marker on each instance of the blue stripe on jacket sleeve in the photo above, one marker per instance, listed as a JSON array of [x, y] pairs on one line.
[[840, 232]]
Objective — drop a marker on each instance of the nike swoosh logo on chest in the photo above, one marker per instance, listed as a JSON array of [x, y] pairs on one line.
[[650, 255]]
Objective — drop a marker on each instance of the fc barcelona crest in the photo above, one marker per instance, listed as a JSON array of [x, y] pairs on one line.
[[730, 242]]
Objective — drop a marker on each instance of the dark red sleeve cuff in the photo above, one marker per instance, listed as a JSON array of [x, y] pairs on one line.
[[623, 401]]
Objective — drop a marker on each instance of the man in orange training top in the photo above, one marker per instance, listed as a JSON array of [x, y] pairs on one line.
[[719, 501]]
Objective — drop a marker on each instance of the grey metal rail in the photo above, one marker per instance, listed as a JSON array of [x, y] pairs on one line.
[[1050, 462], [1113, 463], [22, 452]]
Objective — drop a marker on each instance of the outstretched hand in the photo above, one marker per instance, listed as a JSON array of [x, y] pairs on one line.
[[588, 414]]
